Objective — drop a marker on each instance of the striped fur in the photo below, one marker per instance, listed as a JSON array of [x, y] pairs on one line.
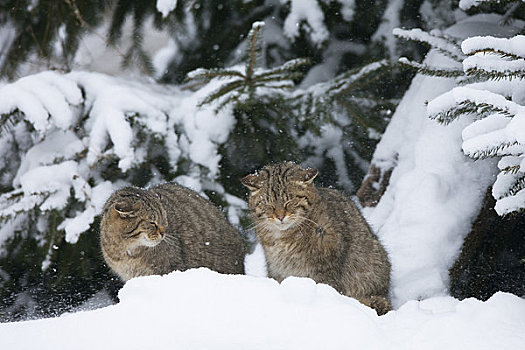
[[318, 233], [167, 228]]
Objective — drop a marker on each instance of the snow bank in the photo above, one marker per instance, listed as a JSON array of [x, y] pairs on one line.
[[201, 309]]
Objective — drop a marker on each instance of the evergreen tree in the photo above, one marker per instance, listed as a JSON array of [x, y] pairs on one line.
[[492, 85], [335, 120]]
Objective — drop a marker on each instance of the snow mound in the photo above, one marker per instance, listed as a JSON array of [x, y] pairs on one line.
[[201, 309]]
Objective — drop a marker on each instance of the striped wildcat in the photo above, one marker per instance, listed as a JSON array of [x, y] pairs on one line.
[[167, 228], [313, 232]]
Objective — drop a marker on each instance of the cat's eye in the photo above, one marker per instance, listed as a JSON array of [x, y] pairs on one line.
[[155, 226]]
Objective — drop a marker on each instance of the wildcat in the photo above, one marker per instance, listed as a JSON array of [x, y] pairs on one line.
[[165, 228], [318, 233]]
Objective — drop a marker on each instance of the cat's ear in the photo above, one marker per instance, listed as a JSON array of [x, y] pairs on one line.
[[125, 209], [252, 181], [308, 175]]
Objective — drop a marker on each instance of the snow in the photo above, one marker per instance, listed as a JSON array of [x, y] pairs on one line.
[[490, 54], [201, 309], [56, 179], [83, 220], [514, 45], [347, 9], [461, 94], [41, 97], [163, 58], [96, 55], [310, 12], [166, 6], [467, 4], [431, 38], [7, 37], [329, 142], [493, 64], [501, 128]]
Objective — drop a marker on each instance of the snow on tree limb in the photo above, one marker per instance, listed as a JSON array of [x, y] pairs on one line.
[[80, 124], [496, 101], [460, 100], [510, 46], [166, 6], [495, 58], [46, 98], [306, 14], [436, 39]]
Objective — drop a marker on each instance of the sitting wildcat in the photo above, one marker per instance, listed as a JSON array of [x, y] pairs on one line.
[[318, 233], [167, 228]]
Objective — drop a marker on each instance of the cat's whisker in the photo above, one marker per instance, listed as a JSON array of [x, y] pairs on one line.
[[305, 225], [171, 241], [256, 224], [305, 228], [304, 218], [263, 224]]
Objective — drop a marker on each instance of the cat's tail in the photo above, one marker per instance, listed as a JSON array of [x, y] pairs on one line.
[[377, 302]]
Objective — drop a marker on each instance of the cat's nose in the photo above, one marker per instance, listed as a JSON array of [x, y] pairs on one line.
[[280, 217]]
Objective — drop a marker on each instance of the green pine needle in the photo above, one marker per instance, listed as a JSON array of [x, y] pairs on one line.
[[432, 71], [479, 110]]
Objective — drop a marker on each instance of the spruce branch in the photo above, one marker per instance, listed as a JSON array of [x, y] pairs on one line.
[[254, 49], [289, 67], [492, 152], [443, 43], [483, 74], [254, 77], [518, 185], [7, 120], [432, 71], [514, 169], [223, 90], [496, 52], [209, 74], [480, 110], [351, 80]]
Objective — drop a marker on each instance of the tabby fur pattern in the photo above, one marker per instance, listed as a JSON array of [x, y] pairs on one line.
[[318, 233], [166, 228]]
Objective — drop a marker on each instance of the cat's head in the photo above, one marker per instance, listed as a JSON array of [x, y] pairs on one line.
[[281, 195], [137, 216]]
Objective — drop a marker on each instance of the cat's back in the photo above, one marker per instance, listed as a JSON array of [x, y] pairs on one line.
[[365, 250], [186, 207], [182, 198], [340, 207], [204, 232], [347, 219]]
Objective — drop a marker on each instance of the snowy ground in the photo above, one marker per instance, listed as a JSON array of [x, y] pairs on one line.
[[201, 309]]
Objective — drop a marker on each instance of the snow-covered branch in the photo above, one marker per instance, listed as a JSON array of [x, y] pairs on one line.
[[72, 139], [497, 104]]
